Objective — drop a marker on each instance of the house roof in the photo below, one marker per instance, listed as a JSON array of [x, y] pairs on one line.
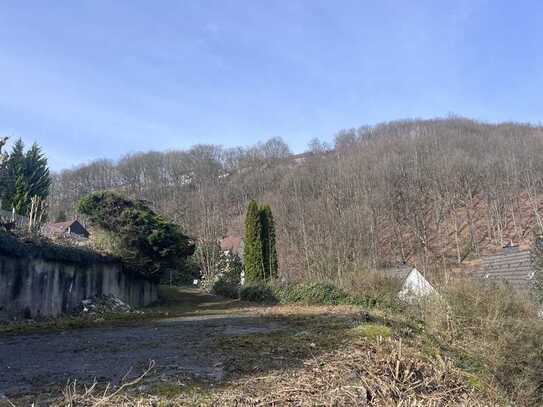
[[231, 243], [61, 225], [517, 269]]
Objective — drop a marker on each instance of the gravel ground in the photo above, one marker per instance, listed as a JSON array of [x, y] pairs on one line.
[[33, 363]]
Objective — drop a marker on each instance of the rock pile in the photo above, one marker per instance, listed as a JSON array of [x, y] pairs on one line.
[[105, 304]]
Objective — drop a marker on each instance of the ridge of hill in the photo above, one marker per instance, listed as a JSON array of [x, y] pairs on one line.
[[437, 193]]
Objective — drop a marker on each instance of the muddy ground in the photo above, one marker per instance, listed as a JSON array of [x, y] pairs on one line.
[[43, 362]]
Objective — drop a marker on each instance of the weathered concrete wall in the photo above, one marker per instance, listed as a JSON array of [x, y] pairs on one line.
[[49, 287]]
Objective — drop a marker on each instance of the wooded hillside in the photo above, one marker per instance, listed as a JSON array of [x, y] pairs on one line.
[[435, 192]]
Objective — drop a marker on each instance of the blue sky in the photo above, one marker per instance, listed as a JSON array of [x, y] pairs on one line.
[[92, 79]]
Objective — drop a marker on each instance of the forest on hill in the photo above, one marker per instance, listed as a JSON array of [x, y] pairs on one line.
[[435, 193]]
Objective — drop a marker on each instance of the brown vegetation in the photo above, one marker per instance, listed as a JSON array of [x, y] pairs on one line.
[[326, 356], [436, 193]]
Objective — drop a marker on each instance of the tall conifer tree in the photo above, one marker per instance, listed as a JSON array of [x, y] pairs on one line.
[[253, 260], [14, 164], [269, 251], [32, 179]]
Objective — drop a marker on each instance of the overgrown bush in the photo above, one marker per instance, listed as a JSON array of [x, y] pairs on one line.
[[261, 293], [228, 282], [301, 293], [495, 332], [311, 294], [147, 243], [222, 276], [225, 288], [370, 289]]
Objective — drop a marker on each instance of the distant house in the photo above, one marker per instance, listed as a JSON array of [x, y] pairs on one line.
[[232, 244], [512, 266], [413, 285], [67, 229]]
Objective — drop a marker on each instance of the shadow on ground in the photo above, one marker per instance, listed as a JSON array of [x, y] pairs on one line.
[[203, 338]]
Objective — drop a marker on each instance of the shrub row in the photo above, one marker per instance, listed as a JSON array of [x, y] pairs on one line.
[[305, 293]]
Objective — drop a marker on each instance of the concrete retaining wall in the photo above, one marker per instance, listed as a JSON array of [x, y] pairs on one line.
[[34, 286]]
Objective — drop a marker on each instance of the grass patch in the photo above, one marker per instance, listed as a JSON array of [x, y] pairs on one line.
[[475, 382], [167, 389], [372, 331]]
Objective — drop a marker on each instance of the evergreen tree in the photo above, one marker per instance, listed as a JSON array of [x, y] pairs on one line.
[[269, 249], [253, 260], [147, 243], [4, 181], [21, 199], [14, 164], [32, 179]]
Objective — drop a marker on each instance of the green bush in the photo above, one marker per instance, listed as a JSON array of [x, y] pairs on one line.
[[225, 288], [311, 294], [261, 293], [303, 293], [147, 243]]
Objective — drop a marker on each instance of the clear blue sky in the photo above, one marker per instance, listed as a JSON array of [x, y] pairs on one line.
[[90, 79]]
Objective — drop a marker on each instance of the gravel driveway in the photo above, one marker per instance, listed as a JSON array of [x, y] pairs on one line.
[[31, 363]]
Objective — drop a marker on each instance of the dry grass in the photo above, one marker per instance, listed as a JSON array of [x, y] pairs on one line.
[[329, 356], [495, 332], [474, 346], [379, 372], [372, 374]]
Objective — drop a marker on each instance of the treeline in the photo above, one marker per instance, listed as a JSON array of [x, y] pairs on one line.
[[433, 192]]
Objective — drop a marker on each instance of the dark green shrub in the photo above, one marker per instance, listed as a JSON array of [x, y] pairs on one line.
[[307, 293], [225, 288], [261, 293], [312, 294], [147, 243]]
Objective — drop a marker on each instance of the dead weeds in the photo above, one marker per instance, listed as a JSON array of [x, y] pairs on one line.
[[320, 359]]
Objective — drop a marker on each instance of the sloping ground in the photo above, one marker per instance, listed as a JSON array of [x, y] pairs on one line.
[[238, 356], [467, 232]]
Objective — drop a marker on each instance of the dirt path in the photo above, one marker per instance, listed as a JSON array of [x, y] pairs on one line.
[[179, 346]]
